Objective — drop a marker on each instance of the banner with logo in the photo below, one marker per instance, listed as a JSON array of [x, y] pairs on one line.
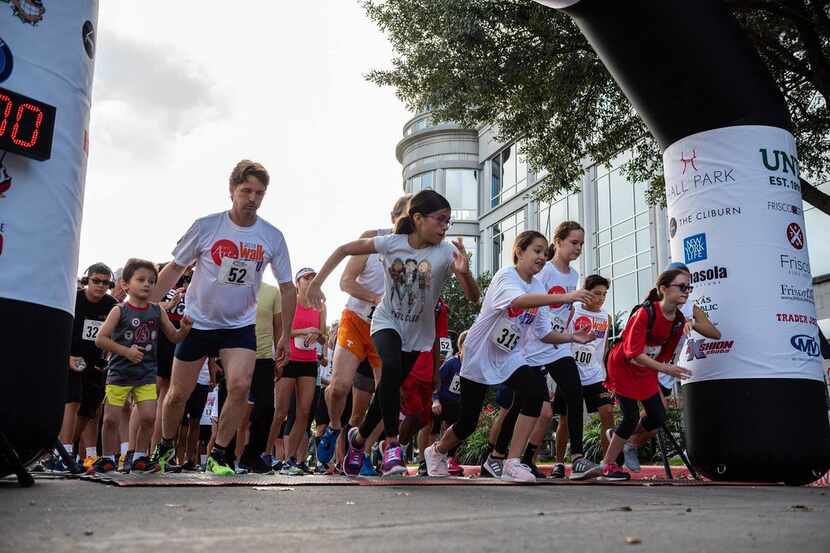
[[736, 220], [47, 51]]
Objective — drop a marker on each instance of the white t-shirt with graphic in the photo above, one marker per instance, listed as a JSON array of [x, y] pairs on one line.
[[231, 262], [413, 283], [554, 282], [589, 356], [496, 342]]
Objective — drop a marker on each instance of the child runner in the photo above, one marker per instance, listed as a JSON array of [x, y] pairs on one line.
[[130, 333], [558, 277], [589, 358], [446, 404], [510, 318], [645, 351], [417, 262]]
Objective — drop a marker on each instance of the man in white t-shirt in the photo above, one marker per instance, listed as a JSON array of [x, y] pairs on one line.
[[231, 250]]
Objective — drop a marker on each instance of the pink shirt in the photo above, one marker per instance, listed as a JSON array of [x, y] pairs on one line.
[[301, 348]]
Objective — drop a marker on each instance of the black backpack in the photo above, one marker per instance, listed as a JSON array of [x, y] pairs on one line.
[[676, 328]]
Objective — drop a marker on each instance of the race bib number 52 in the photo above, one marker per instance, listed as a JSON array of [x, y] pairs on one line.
[[236, 272]]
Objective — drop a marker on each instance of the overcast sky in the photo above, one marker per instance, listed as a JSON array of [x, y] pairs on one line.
[[183, 91]]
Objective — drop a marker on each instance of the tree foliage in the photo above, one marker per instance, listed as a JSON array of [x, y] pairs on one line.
[[527, 69], [462, 313]]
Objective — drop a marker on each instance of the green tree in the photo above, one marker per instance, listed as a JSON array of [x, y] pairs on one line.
[[462, 312], [529, 70]]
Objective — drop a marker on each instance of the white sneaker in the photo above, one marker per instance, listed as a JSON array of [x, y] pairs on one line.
[[632, 462], [437, 462], [515, 471]]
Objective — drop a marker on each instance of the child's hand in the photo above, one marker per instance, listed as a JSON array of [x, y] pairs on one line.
[[74, 363], [135, 354], [186, 323], [584, 336], [584, 296], [675, 371]]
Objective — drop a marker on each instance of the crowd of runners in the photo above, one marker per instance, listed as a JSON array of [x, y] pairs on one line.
[[197, 365]]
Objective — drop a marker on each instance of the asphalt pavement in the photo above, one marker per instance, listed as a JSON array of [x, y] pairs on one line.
[[69, 515]]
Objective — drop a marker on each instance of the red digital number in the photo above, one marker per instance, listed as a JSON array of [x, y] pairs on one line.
[[38, 121], [6, 111]]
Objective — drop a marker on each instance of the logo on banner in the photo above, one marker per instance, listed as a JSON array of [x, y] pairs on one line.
[[795, 266], [694, 248], [795, 236], [707, 305], [785, 207], [688, 161], [695, 180], [702, 215], [701, 349], [805, 344], [789, 292], [709, 275], [6, 61], [28, 11], [797, 318]]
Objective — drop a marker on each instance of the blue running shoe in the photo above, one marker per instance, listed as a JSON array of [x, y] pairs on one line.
[[326, 445], [368, 469]]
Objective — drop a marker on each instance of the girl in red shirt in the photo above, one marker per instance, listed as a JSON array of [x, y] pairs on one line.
[[633, 364]]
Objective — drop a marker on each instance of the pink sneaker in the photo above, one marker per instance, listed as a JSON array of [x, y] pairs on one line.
[[454, 468]]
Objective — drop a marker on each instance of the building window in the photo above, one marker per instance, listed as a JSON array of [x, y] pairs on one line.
[[420, 182], [622, 240], [471, 245], [508, 170], [551, 213], [461, 186], [502, 236]]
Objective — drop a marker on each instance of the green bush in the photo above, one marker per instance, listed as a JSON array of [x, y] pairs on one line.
[[473, 449]]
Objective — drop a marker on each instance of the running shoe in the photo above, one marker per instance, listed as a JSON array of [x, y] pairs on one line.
[[54, 463], [422, 468], [367, 469], [583, 469], [326, 445], [89, 461], [437, 462], [293, 469], [558, 472], [277, 465], [534, 470], [454, 467], [127, 462], [142, 464], [190, 466], [613, 473], [494, 466], [241, 468], [304, 467], [393, 464], [632, 461], [162, 457], [514, 470], [268, 459], [256, 465], [354, 456], [102, 465], [218, 467]]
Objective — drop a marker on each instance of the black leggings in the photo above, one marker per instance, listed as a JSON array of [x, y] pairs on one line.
[[529, 393], [566, 375], [655, 415], [538, 388], [262, 391], [386, 403]]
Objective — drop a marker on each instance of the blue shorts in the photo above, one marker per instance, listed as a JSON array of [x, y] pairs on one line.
[[207, 343]]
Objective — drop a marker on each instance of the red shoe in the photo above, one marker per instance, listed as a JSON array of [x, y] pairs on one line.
[[613, 473], [454, 468], [101, 466]]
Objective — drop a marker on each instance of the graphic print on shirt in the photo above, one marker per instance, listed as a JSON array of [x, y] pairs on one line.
[[584, 353], [237, 262], [143, 334], [410, 281], [177, 312]]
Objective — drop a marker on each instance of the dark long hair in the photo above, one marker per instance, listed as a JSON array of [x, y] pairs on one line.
[[523, 242], [665, 278], [561, 232], [424, 202]]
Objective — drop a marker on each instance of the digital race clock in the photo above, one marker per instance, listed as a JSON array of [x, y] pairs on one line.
[[26, 125]]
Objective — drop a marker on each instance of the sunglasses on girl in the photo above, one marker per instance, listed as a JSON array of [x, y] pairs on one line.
[[683, 287]]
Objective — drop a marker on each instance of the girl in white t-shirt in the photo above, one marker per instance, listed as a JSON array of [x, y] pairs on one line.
[[416, 263], [510, 318]]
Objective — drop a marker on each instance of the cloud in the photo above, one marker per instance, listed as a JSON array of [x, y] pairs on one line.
[[145, 91]]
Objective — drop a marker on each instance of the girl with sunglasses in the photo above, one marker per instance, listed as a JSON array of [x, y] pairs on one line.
[[646, 349]]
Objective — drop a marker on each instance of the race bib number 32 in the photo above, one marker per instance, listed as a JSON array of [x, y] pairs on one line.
[[236, 272], [91, 329]]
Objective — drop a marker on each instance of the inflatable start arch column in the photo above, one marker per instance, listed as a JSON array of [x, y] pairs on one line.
[[47, 51], [756, 407]]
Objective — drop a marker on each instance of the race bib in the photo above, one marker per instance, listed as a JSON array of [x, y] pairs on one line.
[[583, 356], [302, 342], [558, 324], [651, 351], [91, 329], [455, 385], [236, 272], [445, 346], [506, 335]]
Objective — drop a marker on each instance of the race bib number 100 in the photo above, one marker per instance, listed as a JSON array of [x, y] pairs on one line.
[[236, 272]]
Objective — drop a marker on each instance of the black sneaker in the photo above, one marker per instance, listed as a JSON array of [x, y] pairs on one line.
[[535, 470], [162, 459], [558, 472], [494, 466], [305, 468], [189, 466], [422, 468], [256, 465], [101, 466]]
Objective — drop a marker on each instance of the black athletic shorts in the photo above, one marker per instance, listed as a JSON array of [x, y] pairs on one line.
[[164, 358], [364, 378], [595, 396], [74, 386], [195, 405], [199, 344], [504, 394], [93, 386], [296, 369]]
